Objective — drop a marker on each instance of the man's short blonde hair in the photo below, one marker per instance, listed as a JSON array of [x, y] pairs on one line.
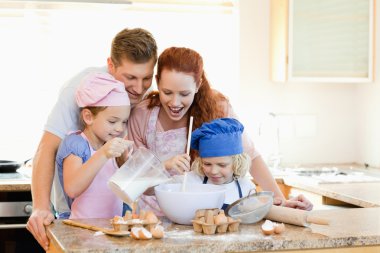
[[240, 165]]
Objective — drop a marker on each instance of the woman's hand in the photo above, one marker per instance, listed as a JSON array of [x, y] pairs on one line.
[[180, 163], [299, 202]]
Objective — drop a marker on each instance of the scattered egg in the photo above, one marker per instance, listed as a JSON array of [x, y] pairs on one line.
[[279, 228], [144, 234], [270, 227], [157, 231], [267, 227], [135, 232]]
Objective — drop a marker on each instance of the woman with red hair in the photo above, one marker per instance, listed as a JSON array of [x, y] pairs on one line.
[[160, 122]]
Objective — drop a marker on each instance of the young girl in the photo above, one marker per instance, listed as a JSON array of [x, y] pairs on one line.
[[84, 158], [221, 158]]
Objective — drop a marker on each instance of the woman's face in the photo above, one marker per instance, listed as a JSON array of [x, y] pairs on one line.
[[219, 170], [177, 91]]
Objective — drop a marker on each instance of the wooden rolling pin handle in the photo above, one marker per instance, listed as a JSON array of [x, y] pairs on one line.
[[317, 220], [82, 225]]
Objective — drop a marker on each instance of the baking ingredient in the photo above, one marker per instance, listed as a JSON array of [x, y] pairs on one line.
[[279, 228], [135, 232], [157, 231], [144, 234], [267, 227], [220, 218]]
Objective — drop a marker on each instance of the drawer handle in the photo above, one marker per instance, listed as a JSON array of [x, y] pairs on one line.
[[10, 226]]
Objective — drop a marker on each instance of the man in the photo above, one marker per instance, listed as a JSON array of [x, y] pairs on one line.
[[132, 60]]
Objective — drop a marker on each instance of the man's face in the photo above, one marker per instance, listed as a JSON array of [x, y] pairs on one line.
[[137, 77]]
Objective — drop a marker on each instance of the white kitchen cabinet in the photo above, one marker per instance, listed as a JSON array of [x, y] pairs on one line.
[[322, 41]]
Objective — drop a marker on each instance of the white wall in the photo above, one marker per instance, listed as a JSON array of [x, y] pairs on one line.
[[347, 122]]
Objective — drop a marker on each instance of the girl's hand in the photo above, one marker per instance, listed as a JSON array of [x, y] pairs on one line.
[[115, 147], [180, 163], [299, 202]]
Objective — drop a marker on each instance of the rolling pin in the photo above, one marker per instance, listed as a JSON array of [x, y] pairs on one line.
[[294, 216]]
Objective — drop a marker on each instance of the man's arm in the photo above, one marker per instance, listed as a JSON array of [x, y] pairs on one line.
[[42, 178]]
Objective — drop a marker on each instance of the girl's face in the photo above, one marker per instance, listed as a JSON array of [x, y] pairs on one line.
[[107, 124], [218, 169], [177, 91]]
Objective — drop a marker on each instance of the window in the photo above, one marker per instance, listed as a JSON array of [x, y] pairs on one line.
[[328, 40]]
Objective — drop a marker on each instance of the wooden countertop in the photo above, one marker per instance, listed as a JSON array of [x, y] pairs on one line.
[[12, 185], [14, 182], [356, 230]]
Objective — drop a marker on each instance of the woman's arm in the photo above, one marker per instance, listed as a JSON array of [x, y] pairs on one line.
[[261, 174]]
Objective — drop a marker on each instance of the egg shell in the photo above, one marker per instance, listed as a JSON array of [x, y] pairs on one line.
[[279, 228], [144, 234], [157, 232], [267, 227], [135, 232]]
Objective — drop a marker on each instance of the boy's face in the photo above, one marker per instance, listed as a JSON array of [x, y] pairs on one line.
[[218, 169], [137, 77]]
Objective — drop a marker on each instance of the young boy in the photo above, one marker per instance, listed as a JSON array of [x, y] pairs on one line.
[[221, 158]]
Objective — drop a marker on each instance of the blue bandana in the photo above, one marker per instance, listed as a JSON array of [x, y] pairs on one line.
[[220, 137]]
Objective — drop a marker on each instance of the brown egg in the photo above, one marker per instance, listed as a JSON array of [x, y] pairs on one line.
[[144, 234], [135, 232], [157, 231], [268, 227], [220, 218], [279, 228]]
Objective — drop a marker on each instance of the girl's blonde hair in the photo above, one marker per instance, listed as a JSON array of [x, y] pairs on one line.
[[240, 165]]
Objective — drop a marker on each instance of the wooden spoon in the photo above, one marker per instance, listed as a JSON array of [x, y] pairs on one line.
[[187, 151], [95, 228]]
